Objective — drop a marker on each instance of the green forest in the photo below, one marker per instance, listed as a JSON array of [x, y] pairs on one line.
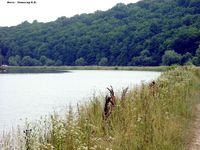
[[146, 33]]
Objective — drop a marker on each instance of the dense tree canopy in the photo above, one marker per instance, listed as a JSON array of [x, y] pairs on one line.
[[134, 34]]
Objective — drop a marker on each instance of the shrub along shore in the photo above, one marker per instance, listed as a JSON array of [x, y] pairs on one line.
[[149, 117]]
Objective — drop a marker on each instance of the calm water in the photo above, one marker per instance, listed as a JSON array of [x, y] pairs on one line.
[[33, 95]]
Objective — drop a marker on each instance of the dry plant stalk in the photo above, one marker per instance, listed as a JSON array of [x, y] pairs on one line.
[[110, 103], [124, 93], [152, 87]]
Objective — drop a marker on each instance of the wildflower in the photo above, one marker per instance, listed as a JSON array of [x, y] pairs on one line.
[[139, 119]]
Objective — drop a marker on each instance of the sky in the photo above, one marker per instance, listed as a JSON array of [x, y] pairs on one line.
[[49, 10]]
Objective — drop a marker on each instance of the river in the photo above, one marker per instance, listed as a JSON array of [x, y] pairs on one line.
[[37, 94]]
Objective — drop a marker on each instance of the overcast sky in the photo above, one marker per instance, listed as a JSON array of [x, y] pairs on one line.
[[49, 10]]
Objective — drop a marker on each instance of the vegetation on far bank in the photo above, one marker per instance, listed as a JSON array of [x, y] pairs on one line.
[[59, 69], [147, 33], [147, 119]]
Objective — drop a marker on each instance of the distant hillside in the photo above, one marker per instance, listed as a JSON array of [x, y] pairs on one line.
[[147, 33]]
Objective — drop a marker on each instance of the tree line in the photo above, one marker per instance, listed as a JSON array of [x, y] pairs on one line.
[[147, 33]]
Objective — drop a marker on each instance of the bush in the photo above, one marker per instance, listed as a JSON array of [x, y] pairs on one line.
[[171, 57], [80, 62], [103, 62]]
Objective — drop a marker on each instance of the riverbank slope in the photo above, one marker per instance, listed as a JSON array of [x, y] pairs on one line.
[[150, 117]]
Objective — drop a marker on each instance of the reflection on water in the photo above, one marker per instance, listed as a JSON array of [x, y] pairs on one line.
[[33, 95]]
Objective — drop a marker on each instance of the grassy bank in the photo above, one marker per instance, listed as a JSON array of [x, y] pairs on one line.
[[57, 69], [147, 119]]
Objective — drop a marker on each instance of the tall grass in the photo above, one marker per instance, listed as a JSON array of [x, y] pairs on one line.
[[148, 118]]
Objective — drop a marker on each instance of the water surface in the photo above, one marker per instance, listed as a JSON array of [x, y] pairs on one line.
[[33, 95]]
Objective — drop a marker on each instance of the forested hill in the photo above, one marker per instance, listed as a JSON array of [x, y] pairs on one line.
[[150, 32]]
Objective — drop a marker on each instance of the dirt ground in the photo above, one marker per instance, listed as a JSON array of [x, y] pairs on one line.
[[195, 132]]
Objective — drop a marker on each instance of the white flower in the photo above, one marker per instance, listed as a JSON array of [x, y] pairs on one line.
[[139, 119]]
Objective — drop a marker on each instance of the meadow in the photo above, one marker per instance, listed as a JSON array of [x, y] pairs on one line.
[[148, 117]]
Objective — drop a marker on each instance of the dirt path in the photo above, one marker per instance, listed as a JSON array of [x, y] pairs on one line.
[[195, 139]]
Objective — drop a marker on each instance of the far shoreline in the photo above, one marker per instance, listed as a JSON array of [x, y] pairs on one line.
[[61, 69]]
